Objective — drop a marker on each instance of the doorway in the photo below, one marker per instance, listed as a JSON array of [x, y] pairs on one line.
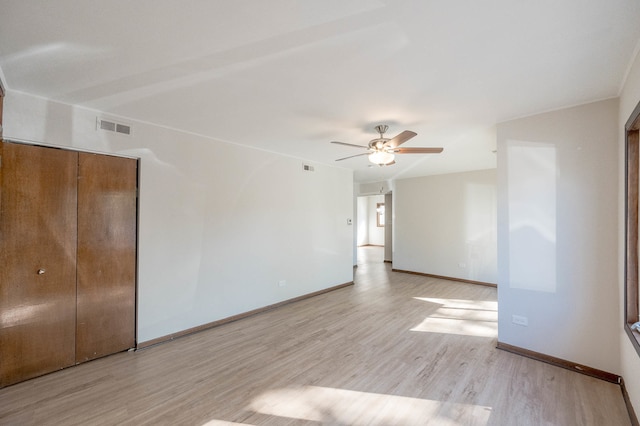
[[374, 227]]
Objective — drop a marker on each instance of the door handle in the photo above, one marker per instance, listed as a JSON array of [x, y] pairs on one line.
[[41, 271]]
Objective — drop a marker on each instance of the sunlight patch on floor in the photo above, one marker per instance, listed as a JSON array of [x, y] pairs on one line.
[[488, 305], [223, 423], [464, 317], [339, 406]]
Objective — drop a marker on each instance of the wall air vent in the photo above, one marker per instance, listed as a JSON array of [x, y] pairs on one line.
[[107, 125], [112, 126], [124, 129]]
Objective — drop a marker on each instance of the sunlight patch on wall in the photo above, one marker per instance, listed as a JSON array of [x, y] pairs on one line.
[[461, 317], [532, 195], [340, 406], [480, 230]]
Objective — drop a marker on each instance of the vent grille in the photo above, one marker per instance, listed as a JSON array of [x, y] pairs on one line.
[[124, 129], [112, 126], [107, 125]]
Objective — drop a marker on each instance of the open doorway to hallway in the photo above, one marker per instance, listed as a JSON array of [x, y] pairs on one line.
[[371, 215], [373, 227], [369, 255]]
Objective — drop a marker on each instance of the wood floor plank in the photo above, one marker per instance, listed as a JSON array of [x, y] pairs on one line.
[[394, 349]]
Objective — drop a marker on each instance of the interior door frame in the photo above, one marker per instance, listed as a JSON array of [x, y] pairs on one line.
[[388, 227], [632, 249], [1, 105]]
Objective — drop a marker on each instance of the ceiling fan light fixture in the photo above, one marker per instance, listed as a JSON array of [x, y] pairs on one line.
[[381, 158], [382, 150]]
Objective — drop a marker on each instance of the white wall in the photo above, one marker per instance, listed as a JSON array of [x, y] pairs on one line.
[[630, 360], [220, 224], [557, 234], [376, 233], [446, 225], [375, 188], [363, 221]]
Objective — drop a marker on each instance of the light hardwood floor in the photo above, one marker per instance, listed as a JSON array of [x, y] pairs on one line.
[[394, 349]]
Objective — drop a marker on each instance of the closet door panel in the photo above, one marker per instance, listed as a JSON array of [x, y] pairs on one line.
[[107, 199], [38, 260]]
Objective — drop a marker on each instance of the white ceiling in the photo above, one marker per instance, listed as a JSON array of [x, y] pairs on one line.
[[290, 76]]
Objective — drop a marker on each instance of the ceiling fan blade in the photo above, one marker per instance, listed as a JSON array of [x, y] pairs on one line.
[[350, 144], [417, 150], [351, 156], [400, 139]]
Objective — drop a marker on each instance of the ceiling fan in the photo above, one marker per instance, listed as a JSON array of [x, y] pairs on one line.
[[382, 150]]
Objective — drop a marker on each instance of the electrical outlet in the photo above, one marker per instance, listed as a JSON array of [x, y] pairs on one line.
[[282, 283], [520, 320], [462, 265]]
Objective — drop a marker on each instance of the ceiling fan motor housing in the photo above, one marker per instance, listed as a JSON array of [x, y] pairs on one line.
[[377, 144]]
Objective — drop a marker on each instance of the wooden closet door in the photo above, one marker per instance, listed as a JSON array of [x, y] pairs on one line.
[[107, 200], [38, 260]]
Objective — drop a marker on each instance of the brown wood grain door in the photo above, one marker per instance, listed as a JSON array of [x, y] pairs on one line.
[[107, 199], [37, 260]]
